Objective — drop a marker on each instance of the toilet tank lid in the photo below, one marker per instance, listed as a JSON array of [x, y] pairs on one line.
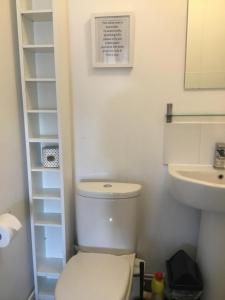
[[109, 190]]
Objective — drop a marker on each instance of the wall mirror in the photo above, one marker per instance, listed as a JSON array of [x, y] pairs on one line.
[[205, 52]]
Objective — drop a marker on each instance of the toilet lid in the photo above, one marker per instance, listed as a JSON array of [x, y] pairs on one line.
[[108, 190], [95, 276]]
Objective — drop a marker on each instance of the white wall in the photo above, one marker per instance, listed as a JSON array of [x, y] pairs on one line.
[[15, 261], [119, 115]]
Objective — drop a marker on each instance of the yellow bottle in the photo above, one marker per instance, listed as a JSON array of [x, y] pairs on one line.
[[158, 286]]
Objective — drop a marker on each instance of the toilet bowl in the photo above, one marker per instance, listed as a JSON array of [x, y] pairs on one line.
[[106, 221], [96, 277]]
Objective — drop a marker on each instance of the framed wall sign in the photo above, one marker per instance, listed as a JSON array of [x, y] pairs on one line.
[[112, 40]]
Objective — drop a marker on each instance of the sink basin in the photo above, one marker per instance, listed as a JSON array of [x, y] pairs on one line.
[[199, 186], [203, 187]]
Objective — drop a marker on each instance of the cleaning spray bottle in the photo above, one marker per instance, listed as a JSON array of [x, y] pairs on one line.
[[158, 286]]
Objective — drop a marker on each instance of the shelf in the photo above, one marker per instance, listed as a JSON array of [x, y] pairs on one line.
[[51, 267], [48, 219], [39, 64], [41, 96], [36, 159], [46, 288], [40, 79], [198, 115], [46, 297], [170, 115], [46, 206], [35, 5], [49, 249], [41, 111], [43, 127], [39, 48], [37, 15], [37, 27], [45, 193], [43, 169], [40, 34], [44, 139], [46, 182]]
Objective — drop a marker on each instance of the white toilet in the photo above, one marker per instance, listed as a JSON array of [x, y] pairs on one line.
[[106, 231]]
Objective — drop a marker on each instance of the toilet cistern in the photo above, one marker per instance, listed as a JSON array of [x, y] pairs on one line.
[[107, 206], [219, 156]]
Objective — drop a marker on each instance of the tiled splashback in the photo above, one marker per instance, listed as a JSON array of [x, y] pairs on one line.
[[192, 143]]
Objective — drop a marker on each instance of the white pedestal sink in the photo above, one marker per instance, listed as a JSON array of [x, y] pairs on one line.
[[203, 187]]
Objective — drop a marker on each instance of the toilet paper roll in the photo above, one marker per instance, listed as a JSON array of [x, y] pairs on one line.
[[9, 225]]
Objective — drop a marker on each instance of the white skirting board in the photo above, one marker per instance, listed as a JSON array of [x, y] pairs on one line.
[[32, 296]]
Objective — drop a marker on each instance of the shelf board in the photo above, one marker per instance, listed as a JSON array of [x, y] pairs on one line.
[[41, 111], [46, 289], [51, 267], [43, 169], [39, 48], [48, 219], [40, 79], [44, 139], [46, 296], [37, 15], [48, 194]]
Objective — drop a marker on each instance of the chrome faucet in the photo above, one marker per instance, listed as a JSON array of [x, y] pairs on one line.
[[219, 156]]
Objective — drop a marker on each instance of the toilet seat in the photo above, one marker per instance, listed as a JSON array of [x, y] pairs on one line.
[[96, 276]]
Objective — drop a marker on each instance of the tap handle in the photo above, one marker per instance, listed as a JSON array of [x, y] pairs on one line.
[[219, 158]]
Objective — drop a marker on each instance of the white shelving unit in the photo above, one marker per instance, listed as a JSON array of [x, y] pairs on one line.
[[44, 64]]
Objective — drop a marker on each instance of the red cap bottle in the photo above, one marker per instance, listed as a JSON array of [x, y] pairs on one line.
[[158, 276]]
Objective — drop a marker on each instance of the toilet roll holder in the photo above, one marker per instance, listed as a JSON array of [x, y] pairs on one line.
[[8, 223]]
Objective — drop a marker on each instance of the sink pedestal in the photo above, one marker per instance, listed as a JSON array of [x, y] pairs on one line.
[[211, 254], [203, 187]]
